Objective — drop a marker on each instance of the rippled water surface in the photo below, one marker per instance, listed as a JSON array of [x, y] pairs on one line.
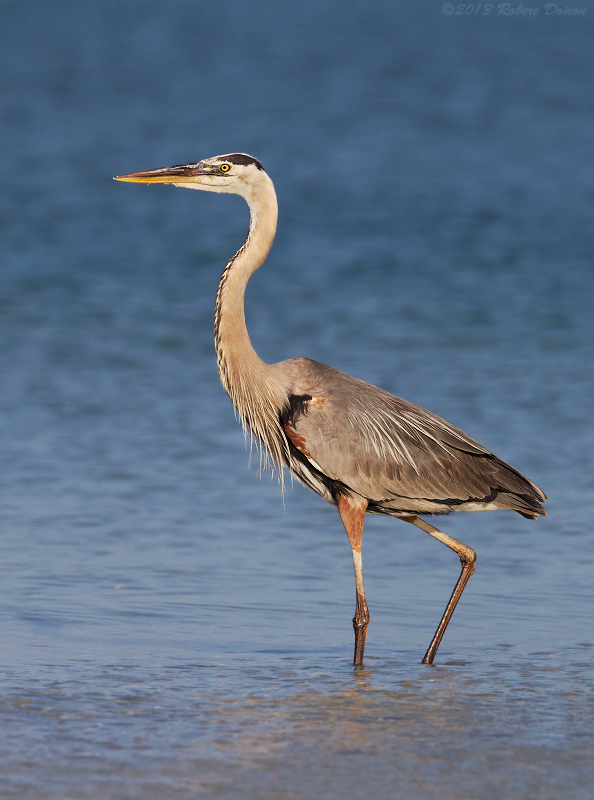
[[171, 626]]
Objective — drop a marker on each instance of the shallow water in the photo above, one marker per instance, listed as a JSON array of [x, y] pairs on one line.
[[505, 724], [173, 627]]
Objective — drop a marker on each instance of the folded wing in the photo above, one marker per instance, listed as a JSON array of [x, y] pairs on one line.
[[389, 450]]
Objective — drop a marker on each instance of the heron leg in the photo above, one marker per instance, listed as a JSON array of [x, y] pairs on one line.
[[468, 559], [352, 512]]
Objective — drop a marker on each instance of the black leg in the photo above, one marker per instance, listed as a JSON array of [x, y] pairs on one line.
[[361, 618], [468, 559]]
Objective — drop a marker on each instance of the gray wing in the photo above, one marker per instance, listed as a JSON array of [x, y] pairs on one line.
[[385, 448]]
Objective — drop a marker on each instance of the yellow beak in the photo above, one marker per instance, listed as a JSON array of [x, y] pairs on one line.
[[178, 174]]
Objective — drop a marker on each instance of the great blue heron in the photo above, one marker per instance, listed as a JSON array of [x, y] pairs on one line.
[[359, 447]]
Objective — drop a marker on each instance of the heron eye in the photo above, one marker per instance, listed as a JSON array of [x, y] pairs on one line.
[[224, 167]]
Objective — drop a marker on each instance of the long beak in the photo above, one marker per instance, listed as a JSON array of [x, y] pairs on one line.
[[178, 174]]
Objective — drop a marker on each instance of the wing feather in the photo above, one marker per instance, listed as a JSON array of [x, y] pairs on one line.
[[385, 448]]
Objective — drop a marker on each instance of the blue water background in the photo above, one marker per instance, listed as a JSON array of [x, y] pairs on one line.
[[172, 627]]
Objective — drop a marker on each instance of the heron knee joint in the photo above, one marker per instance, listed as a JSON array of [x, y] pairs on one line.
[[361, 618], [360, 625], [468, 557]]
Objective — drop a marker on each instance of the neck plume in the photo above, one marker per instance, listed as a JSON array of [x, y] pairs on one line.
[[249, 382]]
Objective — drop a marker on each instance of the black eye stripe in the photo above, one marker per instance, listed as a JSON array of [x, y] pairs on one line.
[[243, 160]]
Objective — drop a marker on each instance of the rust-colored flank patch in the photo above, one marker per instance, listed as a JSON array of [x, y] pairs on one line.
[[297, 440]]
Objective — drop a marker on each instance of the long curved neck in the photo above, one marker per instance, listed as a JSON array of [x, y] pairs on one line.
[[235, 354], [248, 381]]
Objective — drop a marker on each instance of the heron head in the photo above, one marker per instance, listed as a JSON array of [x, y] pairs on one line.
[[235, 173]]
